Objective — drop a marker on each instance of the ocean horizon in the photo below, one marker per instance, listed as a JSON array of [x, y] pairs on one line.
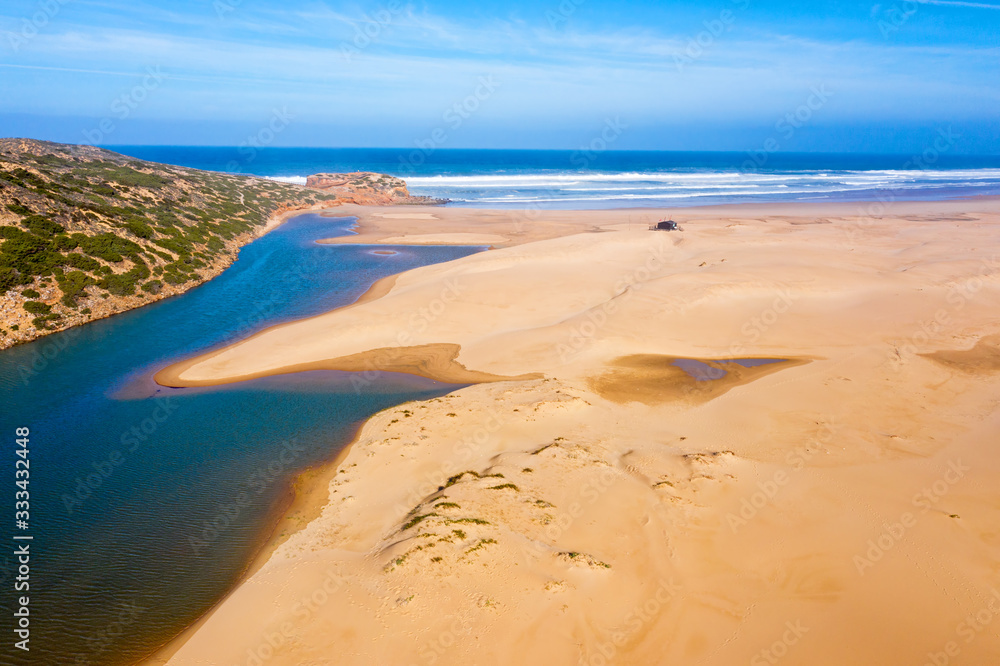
[[589, 179]]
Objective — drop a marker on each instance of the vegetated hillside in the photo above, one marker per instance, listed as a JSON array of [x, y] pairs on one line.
[[85, 232]]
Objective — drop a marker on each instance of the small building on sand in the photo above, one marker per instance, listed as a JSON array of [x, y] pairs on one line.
[[665, 225]]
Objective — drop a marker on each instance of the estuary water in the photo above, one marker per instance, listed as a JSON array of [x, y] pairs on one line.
[[135, 524]]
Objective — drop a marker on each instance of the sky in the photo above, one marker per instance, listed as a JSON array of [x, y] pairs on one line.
[[882, 77]]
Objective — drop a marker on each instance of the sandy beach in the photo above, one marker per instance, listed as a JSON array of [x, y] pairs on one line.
[[612, 487]]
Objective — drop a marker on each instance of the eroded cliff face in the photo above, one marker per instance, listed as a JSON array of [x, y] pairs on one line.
[[367, 189]]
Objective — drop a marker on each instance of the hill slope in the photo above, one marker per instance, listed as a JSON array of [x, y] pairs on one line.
[[85, 232]]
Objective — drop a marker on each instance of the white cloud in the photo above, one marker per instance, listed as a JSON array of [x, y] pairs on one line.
[[959, 3], [422, 63]]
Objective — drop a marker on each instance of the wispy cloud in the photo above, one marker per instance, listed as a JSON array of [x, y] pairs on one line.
[[102, 72], [959, 3], [420, 63]]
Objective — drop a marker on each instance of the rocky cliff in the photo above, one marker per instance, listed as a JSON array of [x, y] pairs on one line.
[[367, 189]]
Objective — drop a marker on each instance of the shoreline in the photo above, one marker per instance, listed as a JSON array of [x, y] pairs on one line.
[[377, 225], [135, 302], [305, 497], [318, 485], [378, 289], [435, 362], [304, 500], [308, 492]]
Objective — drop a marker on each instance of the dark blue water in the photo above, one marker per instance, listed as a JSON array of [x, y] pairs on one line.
[[147, 503], [599, 178]]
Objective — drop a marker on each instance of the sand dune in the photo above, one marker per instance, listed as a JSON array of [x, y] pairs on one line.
[[591, 502]]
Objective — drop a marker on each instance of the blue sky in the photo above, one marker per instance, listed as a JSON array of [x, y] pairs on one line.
[[726, 75]]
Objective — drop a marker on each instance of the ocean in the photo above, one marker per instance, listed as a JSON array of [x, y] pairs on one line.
[[615, 179]]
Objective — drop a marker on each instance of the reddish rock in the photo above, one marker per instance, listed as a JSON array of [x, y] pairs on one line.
[[367, 189]]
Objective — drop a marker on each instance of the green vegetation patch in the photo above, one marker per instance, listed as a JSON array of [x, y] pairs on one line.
[[505, 486], [73, 284], [107, 246], [416, 520], [139, 227], [458, 477], [37, 307], [42, 226], [132, 178]]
